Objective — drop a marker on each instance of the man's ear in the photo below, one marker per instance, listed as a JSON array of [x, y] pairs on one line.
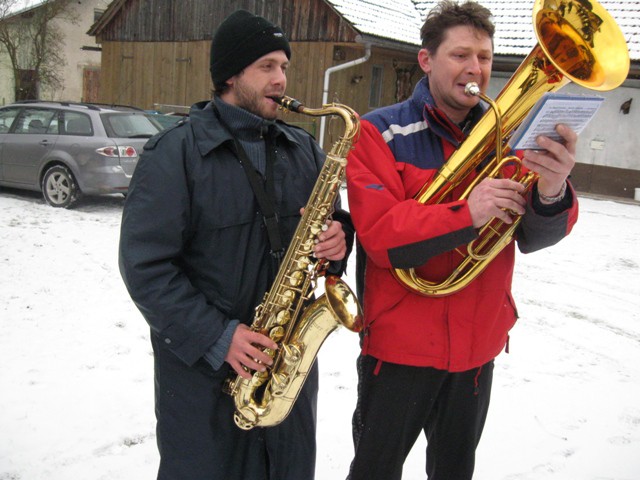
[[232, 80], [424, 60]]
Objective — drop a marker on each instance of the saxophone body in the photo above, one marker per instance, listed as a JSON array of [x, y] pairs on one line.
[[286, 314]]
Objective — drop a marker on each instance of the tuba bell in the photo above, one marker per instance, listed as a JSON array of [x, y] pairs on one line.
[[578, 41]]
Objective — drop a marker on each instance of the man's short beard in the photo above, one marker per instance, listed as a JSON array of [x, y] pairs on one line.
[[251, 101]]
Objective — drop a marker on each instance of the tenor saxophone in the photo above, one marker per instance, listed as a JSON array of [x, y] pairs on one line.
[[285, 314]]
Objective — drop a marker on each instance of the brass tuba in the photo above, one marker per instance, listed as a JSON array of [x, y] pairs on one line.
[[577, 41], [299, 330]]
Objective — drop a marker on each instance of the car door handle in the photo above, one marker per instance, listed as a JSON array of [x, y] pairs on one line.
[[44, 142]]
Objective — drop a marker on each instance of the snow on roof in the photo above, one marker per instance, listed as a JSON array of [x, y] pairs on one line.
[[19, 6], [382, 18], [400, 20]]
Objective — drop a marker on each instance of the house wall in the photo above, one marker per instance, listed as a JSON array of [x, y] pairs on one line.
[[190, 20], [156, 52], [607, 154], [6, 80], [147, 74], [352, 86], [77, 60], [609, 148], [7, 92]]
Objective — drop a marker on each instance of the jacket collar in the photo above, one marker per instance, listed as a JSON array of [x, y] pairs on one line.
[[210, 134], [437, 120]]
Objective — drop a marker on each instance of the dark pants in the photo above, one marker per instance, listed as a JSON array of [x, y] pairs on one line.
[[397, 402], [198, 439]]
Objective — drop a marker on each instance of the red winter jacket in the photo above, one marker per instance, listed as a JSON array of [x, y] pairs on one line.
[[400, 148]]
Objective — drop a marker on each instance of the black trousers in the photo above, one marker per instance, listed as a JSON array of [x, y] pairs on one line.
[[397, 402], [198, 439]]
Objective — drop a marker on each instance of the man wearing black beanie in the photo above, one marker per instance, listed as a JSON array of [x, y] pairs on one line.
[[197, 258], [239, 41]]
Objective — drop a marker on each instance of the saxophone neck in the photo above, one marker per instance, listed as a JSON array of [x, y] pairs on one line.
[[349, 117]]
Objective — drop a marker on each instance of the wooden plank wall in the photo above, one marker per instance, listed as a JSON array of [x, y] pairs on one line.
[[189, 20], [352, 86], [177, 73], [144, 73]]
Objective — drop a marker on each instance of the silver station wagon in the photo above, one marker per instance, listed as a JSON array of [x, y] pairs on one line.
[[66, 149]]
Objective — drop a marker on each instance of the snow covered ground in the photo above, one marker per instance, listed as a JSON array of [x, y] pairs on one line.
[[76, 387]]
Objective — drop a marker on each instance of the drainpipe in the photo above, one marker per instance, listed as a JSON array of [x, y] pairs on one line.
[[325, 89]]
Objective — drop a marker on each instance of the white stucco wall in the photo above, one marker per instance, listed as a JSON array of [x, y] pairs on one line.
[[6, 79], [611, 138], [76, 58]]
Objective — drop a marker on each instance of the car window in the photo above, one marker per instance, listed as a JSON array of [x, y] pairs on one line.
[[7, 116], [165, 121], [35, 121], [128, 125], [76, 123]]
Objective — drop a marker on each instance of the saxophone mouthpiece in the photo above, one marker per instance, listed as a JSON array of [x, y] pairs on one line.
[[289, 103], [472, 89]]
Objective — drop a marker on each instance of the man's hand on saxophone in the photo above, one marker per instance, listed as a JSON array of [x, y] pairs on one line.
[[331, 242], [245, 353]]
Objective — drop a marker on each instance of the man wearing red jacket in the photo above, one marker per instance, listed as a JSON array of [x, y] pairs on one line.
[[427, 362]]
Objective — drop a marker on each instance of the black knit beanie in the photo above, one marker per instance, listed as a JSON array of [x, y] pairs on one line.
[[240, 40]]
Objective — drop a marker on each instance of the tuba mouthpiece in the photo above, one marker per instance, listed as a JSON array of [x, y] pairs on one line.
[[472, 89]]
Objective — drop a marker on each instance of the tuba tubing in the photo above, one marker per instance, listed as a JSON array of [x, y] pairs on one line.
[[575, 44]]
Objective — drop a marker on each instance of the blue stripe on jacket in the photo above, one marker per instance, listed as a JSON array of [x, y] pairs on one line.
[[411, 130]]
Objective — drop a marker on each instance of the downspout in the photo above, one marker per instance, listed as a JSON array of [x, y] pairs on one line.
[[325, 88]]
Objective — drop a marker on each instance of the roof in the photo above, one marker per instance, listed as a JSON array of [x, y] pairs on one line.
[[400, 20], [397, 20], [20, 6]]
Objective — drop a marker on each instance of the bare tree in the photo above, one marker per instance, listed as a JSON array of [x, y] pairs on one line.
[[34, 43]]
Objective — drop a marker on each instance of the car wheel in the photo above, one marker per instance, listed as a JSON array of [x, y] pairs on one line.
[[59, 188]]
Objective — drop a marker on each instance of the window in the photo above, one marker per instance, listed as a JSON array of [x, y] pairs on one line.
[[128, 125], [375, 95], [26, 85], [77, 124], [35, 121], [7, 116]]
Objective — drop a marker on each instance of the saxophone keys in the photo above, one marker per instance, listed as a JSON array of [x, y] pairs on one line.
[[307, 247], [296, 278], [259, 378], [303, 263], [276, 334], [283, 317], [244, 423], [279, 384], [286, 299], [291, 354]]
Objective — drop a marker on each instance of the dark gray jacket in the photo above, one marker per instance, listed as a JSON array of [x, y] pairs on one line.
[[194, 253]]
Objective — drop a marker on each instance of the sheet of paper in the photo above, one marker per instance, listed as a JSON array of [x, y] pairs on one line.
[[553, 108]]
